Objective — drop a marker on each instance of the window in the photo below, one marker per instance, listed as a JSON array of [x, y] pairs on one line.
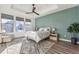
[[7, 23], [19, 24], [28, 26]]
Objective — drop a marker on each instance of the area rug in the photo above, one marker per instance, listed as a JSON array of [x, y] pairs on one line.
[[31, 47], [28, 47], [13, 49]]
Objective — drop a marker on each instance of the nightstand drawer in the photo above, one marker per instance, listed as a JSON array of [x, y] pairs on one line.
[[54, 37]]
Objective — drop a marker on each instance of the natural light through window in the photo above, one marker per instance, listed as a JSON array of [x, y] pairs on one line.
[[7, 23], [19, 24], [28, 26]]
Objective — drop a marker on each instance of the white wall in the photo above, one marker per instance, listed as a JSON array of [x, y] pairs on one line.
[[8, 10]]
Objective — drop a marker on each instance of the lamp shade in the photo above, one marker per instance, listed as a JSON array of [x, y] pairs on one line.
[[53, 29]]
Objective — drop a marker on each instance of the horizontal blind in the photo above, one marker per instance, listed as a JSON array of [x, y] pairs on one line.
[[19, 19], [6, 16], [28, 20]]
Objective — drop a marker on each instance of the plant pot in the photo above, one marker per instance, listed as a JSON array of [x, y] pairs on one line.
[[74, 40]]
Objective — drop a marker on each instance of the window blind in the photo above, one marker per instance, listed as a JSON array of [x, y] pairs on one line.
[[6, 16]]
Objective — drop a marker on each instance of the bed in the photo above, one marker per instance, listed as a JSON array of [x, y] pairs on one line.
[[39, 35]]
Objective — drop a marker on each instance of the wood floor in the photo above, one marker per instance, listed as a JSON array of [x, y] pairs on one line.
[[64, 48]]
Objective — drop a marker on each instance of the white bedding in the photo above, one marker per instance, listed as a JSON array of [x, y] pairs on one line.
[[37, 35]]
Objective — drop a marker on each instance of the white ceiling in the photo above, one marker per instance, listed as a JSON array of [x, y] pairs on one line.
[[42, 9]]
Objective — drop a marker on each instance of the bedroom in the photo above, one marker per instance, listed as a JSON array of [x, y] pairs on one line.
[[35, 21]]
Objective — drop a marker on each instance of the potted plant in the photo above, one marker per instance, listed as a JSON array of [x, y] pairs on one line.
[[73, 29]]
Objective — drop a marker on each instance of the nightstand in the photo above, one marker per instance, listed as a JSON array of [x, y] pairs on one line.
[[54, 37]]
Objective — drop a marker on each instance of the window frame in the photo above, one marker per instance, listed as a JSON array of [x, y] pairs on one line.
[[14, 23], [20, 20], [6, 18], [29, 21]]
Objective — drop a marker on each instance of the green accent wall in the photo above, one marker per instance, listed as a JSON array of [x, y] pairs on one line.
[[60, 20]]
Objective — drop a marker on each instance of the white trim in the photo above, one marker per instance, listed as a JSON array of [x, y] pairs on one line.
[[66, 40], [24, 25], [0, 24], [14, 24]]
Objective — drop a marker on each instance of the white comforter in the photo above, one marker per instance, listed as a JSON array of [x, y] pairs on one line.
[[37, 35]]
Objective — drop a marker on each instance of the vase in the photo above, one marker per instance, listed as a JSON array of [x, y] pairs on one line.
[[74, 38]]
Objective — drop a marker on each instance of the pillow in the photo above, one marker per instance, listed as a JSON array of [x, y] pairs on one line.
[[41, 29], [45, 29]]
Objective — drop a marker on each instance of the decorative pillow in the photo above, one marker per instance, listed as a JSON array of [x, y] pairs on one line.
[[45, 29], [41, 29]]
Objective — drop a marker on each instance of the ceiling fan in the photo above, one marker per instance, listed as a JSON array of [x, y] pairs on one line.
[[33, 10]]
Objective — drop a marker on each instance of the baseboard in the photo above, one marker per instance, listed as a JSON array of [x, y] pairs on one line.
[[67, 40]]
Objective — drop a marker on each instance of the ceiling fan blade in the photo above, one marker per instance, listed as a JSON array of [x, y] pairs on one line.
[[28, 12], [33, 10], [36, 13]]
